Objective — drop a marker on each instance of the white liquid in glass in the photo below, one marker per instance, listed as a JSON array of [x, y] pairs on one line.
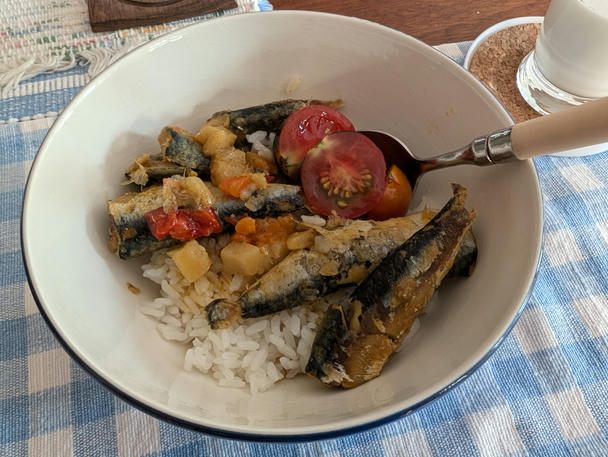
[[572, 47]]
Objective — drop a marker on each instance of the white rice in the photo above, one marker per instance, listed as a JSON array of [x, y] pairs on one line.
[[314, 220], [261, 143], [253, 353]]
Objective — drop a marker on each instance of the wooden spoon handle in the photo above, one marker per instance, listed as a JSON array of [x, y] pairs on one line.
[[571, 128]]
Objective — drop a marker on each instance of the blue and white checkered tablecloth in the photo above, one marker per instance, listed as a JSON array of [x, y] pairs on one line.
[[543, 393]]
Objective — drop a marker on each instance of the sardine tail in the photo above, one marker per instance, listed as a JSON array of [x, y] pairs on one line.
[[222, 313]]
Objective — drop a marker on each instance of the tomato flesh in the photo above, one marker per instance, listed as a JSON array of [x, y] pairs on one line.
[[345, 173], [265, 231], [396, 199], [183, 224], [302, 131], [235, 185], [245, 226]]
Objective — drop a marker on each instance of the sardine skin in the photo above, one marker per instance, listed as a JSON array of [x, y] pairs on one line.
[[179, 146]]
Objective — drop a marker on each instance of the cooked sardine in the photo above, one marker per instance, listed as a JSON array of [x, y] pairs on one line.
[[179, 146], [381, 310], [325, 357], [129, 233], [268, 117], [274, 200], [466, 259], [151, 169], [341, 258]]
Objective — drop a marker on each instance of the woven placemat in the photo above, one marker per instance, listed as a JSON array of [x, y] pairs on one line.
[[44, 36]]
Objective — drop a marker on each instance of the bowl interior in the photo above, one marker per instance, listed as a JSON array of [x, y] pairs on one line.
[[389, 82]]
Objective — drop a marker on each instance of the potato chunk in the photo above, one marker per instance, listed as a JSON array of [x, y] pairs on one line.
[[274, 252], [191, 260], [215, 138], [301, 240], [243, 258]]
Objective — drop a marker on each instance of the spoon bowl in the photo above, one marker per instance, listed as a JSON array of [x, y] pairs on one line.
[[571, 128], [397, 153]]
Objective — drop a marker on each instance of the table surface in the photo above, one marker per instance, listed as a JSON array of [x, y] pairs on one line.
[[432, 21]]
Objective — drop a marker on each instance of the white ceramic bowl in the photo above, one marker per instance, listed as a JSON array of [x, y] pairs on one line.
[[389, 81]]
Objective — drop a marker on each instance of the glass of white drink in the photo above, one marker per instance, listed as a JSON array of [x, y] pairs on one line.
[[569, 65]]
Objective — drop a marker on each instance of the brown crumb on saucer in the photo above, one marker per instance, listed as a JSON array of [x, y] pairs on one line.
[[496, 61], [133, 289]]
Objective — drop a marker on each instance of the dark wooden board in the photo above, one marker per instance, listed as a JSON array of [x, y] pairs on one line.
[[432, 21], [108, 15]]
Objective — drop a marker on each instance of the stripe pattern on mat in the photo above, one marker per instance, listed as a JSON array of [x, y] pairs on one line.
[[42, 36]]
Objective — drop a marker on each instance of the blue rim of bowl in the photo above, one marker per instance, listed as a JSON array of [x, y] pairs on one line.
[[255, 437]]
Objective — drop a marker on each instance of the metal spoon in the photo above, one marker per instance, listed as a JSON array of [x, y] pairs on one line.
[[571, 128]]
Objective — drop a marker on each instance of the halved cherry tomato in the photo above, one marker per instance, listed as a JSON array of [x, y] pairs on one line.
[[302, 131], [396, 198], [183, 224], [345, 173]]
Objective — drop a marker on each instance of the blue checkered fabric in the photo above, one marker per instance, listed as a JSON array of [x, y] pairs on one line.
[[544, 392]]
